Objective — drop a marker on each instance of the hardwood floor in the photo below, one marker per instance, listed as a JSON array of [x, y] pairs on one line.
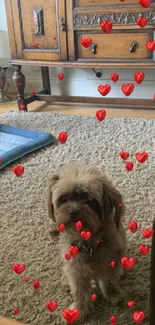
[[73, 109], [78, 109]]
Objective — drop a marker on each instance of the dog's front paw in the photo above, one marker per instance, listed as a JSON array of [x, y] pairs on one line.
[[117, 298]]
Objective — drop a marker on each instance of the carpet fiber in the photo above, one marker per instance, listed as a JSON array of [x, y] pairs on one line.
[[24, 224]]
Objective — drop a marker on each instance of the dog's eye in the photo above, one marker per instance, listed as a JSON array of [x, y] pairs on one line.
[[64, 198]]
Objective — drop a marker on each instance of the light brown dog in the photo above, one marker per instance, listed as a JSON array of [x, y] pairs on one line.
[[82, 193]]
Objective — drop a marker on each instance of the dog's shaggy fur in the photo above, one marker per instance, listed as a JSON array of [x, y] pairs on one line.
[[81, 192]]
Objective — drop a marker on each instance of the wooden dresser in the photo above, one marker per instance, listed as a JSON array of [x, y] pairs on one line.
[[48, 34]]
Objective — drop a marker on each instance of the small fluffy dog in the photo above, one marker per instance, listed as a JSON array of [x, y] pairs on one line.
[[82, 193]]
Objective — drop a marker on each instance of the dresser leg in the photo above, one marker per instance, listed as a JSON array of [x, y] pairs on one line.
[[19, 83], [46, 80]]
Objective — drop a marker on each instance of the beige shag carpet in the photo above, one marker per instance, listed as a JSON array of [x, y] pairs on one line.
[[24, 225]]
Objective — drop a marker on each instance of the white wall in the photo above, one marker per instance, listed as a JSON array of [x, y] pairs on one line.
[[80, 82]]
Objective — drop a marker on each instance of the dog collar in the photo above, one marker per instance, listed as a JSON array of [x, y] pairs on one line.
[[85, 246]]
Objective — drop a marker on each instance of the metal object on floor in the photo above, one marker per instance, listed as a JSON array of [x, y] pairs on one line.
[[3, 96]]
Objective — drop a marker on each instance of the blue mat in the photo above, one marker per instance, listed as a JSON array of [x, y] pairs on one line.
[[16, 143]]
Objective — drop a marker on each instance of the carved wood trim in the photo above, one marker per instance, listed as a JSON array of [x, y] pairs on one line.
[[38, 21], [115, 18]]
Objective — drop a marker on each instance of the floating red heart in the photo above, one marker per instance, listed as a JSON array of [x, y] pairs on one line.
[[145, 3], [113, 263], [78, 225], [86, 235], [61, 227], [104, 90], [106, 26], [33, 92], [150, 46], [154, 96], [22, 107], [131, 304], [30, 86], [114, 77], [51, 305], [19, 268], [113, 320], [54, 38], [133, 226], [127, 89], [141, 157], [129, 165], [71, 315], [128, 262], [147, 233], [26, 279], [18, 170], [63, 137], [36, 284], [86, 42], [67, 256], [139, 77], [19, 83], [93, 297], [124, 155], [138, 316], [74, 251], [16, 311], [36, 45], [101, 114], [142, 21], [143, 250], [61, 76], [1, 159]]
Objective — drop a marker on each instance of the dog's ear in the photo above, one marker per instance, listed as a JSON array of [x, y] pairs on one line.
[[113, 208], [52, 182]]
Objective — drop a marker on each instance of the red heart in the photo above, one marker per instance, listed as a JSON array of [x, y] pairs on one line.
[[154, 96], [131, 304], [142, 21], [36, 284], [63, 137], [26, 279], [101, 114], [93, 297], [78, 225], [19, 268], [141, 156], [67, 256], [127, 89], [33, 92], [114, 77], [147, 233], [71, 315], [124, 155], [18, 170], [61, 227], [54, 38], [51, 305], [106, 26], [138, 316], [86, 42], [129, 165], [36, 45], [86, 235], [139, 77], [104, 90], [150, 46], [128, 262], [113, 263], [74, 251], [145, 3], [16, 311], [1, 159], [143, 250], [22, 107], [113, 320], [61, 76], [30, 86], [133, 226], [19, 83]]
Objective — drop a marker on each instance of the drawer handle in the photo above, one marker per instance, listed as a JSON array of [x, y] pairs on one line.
[[63, 25], [134, 46], [94, 47]]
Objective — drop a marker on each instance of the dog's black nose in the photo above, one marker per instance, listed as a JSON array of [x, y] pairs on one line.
[[73, 216]]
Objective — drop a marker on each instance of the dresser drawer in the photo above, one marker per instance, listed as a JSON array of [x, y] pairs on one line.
[[115, 45]]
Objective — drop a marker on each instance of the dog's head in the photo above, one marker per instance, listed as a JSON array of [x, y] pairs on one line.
[[81, 192]]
